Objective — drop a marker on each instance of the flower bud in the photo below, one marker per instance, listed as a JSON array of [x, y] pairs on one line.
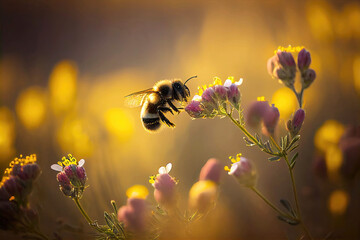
[[194, 109], [67, 190], [244, 171], [16, 169], [29, 171], [233, 95], [221, 92], [295, 124], [63, 179], [71, 173], [211, 171], [133, 215], [307, 78], [165, 190], [271, 119], [256, 112], [81, 174], [286, 59], [209, 95], [304, 60], [14, 186], [202, 195]]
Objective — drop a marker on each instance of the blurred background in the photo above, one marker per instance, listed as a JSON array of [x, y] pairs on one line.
[[65, 67]]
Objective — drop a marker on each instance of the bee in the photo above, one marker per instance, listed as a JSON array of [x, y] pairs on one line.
[[157, 101]]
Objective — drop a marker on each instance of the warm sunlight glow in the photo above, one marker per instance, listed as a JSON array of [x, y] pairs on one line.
[[31, 107], [137, 191], [338, 202], [328, 134], [285, 100], [119, 123], [7, 132]]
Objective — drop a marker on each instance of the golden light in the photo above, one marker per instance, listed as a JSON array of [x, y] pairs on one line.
[[119, 123], [328, 135], [334, 159], [63, 85], [31, 107], [7, 132], [285, 100], [137, 191], [338, 202], [73, 136], [318, 14], [356, 72], [202, 192]]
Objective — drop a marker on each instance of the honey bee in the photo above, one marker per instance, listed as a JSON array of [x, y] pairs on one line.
[[157, 101]]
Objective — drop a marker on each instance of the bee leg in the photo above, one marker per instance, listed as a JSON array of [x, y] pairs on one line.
[[173, 106], [165, 120], [165, 110]]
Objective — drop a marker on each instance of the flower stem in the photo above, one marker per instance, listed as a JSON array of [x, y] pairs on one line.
[[267, 201], [244, 130], [76, 200], [296, 198]]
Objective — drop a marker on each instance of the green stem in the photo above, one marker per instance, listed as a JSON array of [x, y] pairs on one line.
[[76, 200], [244, 130], [267, 201], [296, 198]]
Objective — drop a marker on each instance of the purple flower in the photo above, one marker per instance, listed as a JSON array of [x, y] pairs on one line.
[[194, 109], [133, 215], [294, 125], [256, 113], [304, 60], [221, 92], [29, 171], [271, 119], [209, 95], [244, 172], [211, 171], [165, 191], [307, 78], [282, 66], [286, 59], [233, 95]]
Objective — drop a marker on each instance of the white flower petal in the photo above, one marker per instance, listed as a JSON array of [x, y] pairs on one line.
[[56, 167], [81, 162], [238, 83], [168, 167], [196, 98], [162, 170], [227, 83]]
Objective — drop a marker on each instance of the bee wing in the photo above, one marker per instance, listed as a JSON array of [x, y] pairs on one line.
[[137, 99]]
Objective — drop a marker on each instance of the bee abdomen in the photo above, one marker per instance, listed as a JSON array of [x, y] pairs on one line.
[[151, 124]]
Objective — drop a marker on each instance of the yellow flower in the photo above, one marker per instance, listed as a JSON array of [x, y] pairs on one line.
[[289, 48]]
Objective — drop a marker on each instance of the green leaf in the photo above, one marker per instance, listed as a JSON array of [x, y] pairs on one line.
[[289, 220], [293, 141], [293, 148], [248, 142], [293, 160], [113, 204], [285, 142], [257, 137], [108, 220], [288, 207], [275, 158]]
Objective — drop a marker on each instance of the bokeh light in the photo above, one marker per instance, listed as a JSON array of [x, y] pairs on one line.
[[137, 191], [119, 123], [285, 100], [328, 135], [63, 86], [31, 107], [338, 202], [7, 133]]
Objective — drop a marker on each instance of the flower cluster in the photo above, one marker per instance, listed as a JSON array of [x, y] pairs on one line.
[[15, 187], [243, 170], [216, 99], [282, 66], [71, 176]]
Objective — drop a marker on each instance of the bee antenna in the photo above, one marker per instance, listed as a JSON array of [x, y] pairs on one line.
[[189, 79]]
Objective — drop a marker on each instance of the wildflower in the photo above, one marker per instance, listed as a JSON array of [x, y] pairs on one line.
[[304, 60], [243, 170], [307, 78], [294, 125], [282, 66], [211, 171], [261, 111], [214, 100], [202, 195], [133, 215], [72, 176], [164, 184]]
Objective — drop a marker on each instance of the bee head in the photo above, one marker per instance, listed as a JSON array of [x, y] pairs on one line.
[[180, 90]]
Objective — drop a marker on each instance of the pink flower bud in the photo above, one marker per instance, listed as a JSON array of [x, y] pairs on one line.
[[194, 109], [63, 179], [256, 112], [221, 92], [286, 59], [297, 121], [233, 95], [71, 173], [165, 190], [244, 171], [81, 174], [271, 119], [202, 195], [133, 215], [304, 60], [307, 78], [209, 95], [14, 186], [211, 171], [29, 171], [67, 190]]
